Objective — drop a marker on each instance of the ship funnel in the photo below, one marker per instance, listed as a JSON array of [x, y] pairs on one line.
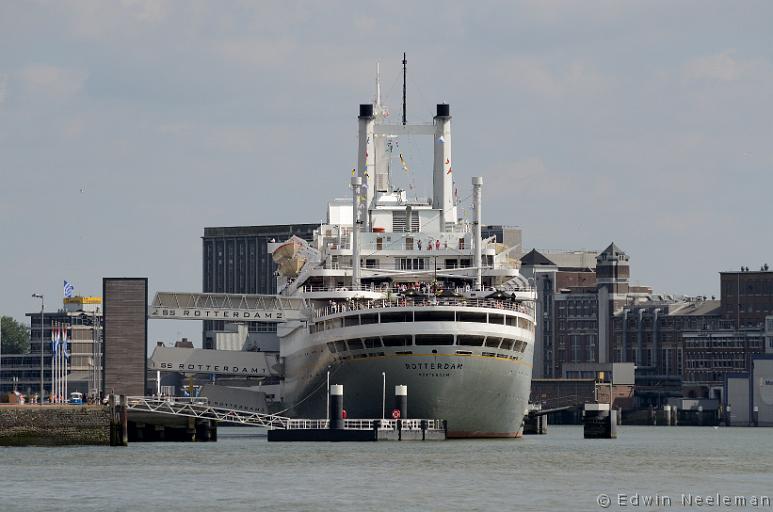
[[442, 179]]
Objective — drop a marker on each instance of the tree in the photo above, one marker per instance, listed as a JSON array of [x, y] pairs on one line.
[[16, 336]]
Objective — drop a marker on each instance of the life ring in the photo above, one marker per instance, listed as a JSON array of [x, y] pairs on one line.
[[395, 414]]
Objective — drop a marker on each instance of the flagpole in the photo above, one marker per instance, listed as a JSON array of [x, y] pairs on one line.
[[66, 361], [59, 366], [53, 358]]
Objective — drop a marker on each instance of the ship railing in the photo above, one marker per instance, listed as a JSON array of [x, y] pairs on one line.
[[505, 305], [362, 288], [368, 424]]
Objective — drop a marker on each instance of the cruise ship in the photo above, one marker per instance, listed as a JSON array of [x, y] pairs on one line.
[[402, 291]]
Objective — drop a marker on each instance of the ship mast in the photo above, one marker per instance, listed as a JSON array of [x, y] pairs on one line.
[[405, 62]]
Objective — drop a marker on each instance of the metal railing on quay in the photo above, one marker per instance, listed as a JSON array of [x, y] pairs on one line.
[[366, 424]]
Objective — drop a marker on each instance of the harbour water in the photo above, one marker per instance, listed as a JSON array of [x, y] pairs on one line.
[[242, 471]]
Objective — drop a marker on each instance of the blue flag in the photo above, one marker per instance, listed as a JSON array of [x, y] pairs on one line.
[[68, 289]]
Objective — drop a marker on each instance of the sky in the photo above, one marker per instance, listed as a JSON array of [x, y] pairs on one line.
[[126, 127]]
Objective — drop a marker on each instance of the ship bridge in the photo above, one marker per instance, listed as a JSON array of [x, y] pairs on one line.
[[233, 307]]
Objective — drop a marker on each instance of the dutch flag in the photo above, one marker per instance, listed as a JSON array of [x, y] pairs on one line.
[[68, 289]]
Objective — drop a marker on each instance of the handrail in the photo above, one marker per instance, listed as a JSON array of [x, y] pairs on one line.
[[422, 302]]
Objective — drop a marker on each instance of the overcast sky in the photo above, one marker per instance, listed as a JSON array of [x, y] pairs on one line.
[[126, 127]]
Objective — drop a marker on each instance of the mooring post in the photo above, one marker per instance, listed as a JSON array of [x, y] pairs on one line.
[[124, 420], [728, 412], [401, 401], [336, 407], [113, 420], [756, 416]]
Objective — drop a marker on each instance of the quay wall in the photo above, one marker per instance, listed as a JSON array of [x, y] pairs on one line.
[[52, 425]]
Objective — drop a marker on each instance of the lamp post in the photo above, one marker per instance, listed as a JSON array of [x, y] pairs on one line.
[[42, 327]]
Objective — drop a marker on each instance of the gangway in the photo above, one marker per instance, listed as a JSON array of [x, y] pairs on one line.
[[200, 408], [230, 307]]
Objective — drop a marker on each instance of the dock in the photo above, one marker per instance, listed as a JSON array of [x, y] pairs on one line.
[[361, 430]]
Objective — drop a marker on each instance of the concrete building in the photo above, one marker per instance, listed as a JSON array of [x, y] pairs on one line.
[[83, 318], [749, 395]]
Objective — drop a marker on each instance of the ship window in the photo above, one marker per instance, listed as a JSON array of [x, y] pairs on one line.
[[408, 243], [503, 356], [401, 316], [520, 346], [397, 341], [488, 354], [372, 342], [331, 347], [451, 263], [461, 244], [472, 341], [351, 320], [404, 353], [355, 344], [506, 344], [512, 321], [493, 341], [434, 339], [434, 316], [465, 316], [464, 352], [523, 323], [496, 319], [369, 319], [359, 356], [370, 263], [340, 346]]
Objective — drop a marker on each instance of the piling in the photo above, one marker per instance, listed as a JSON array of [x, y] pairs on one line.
[[756, 416], [401, 401], [599, 421], [336, 407]]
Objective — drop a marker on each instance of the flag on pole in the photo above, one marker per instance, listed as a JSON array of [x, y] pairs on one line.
[[68, 290], [65, 348]]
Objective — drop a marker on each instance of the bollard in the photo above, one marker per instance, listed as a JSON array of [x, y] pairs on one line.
[[336, 407], [756, 416], [401, 401], [599, 421], [667, 414], [728, 411], [700, 415]]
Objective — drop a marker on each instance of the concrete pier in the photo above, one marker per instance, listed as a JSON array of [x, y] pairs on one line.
[[54, 425]]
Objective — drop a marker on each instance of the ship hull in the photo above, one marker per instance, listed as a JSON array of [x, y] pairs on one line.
[[478, 396]]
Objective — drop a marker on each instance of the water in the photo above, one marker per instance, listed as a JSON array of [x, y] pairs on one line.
[[557, 472]]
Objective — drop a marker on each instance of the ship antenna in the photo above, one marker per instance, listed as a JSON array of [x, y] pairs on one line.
[[405, 62]]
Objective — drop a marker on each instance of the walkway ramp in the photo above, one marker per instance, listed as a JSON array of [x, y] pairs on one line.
[[229, 307]]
